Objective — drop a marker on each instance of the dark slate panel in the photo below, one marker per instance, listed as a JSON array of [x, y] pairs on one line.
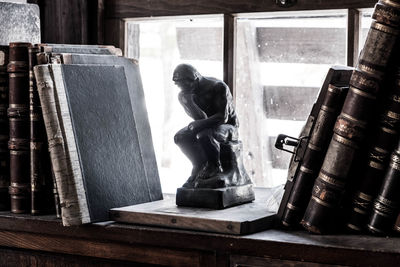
[[108, 147], [140, 115]]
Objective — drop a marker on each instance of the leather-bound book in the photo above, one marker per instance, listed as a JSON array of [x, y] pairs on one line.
[[396, 226], [387, 203], [40, 168], [338, 76], [97, 165], [371, 173], [352, 124], [314, 155], [18, 113], [4, 154]]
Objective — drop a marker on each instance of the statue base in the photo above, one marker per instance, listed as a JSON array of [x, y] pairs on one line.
[[218, 198]]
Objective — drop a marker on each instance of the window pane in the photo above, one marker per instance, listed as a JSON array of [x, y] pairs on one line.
[[160, 45], [281, 62], [365, 23]]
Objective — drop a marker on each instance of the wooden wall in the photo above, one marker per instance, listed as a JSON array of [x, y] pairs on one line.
[[71, 21]]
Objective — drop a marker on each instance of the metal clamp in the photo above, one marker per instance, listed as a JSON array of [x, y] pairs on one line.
[[283, 141]]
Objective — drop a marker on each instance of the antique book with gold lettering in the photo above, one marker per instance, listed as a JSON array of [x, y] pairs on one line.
[[18, 113], [4, 132], [315, 150], [384, 137], [352, 125], [386, 205]]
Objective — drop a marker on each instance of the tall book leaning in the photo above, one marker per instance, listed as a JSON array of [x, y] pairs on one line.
[[136, 94], [95, 157], [311, 148], [39, 159], [353, 123], [40, 169], [314, 154]]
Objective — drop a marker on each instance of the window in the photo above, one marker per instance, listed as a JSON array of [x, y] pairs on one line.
[[160, 45], [365, 23], [280, 61]]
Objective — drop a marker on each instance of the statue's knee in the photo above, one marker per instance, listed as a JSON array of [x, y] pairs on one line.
[[182, 137], [178, 138]]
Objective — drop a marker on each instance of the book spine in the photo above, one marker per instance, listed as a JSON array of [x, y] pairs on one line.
[[56, 195], [42, 58], [387, 203], [397, 224], [372, 173], [314, 154], [351, 126], [4, 135], [18, 113], [62, 166], [40, 173]]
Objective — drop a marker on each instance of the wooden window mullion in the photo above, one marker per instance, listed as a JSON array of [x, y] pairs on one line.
[[353, 30], [228, 51]]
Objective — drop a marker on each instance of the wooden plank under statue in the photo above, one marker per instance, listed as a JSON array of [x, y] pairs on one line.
[[239, 220], [218, 179]]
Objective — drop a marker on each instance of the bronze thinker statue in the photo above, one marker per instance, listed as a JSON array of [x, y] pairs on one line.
[[218, 178]]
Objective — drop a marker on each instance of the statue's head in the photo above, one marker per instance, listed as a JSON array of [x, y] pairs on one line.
[[185, 76]]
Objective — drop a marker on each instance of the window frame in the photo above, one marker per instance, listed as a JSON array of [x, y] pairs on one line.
[[116, 11]]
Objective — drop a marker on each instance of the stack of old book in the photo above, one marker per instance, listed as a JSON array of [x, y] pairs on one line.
[[74, 133], [349, 173], [79, 140]]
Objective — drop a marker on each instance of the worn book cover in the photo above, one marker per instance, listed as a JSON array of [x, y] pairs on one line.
[[139, 110], [93, 140]]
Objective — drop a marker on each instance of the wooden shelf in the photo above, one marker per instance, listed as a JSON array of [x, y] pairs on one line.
[[113, 242]]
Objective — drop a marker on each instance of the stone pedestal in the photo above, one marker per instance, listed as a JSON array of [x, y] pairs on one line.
[[222, 190], [219, 198]]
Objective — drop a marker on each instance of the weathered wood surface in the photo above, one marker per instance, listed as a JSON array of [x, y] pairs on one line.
[[101, 249], [12, 258], [45, 233], [139, 8], [244, 261], [242, 219], [114, 33], [71, 21]]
